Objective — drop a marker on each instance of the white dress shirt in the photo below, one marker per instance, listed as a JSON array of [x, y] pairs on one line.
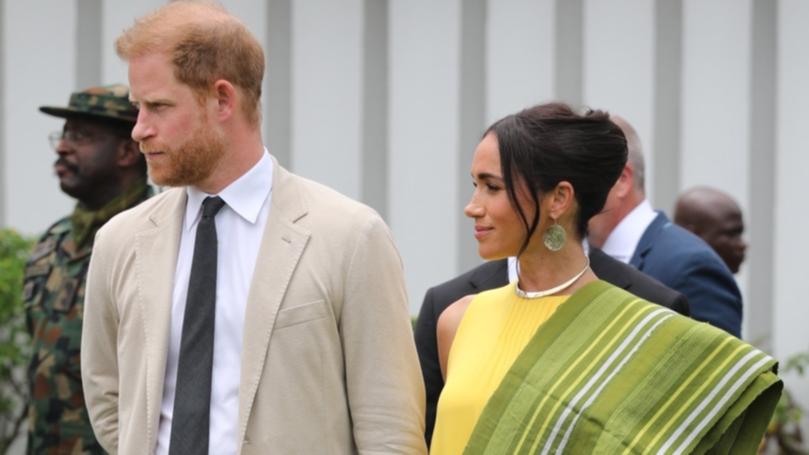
[[239, 228], [623, 240]]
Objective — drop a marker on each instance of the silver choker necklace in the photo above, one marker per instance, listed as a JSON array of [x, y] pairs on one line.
[[553, 290]]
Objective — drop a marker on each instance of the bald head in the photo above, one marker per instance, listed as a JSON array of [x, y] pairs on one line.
[[715, 217]]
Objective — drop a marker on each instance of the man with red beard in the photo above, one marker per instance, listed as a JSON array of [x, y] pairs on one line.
[[246, 310], [99, 165]]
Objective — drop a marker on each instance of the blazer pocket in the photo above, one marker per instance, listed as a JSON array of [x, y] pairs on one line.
[[301, 313]]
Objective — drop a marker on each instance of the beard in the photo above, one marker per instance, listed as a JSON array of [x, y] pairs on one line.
[[190, 163]]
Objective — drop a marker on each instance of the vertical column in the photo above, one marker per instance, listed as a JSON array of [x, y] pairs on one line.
[[791, 217], [326, 95], [569, 51], [278, 81], [619, 65], [472, 111], [716, 103], [519, 56], [116, 17], [375, 106], [761, 188], [424, 131], [3, 148], [667, 102], [42, 72], [88, 42], [253, 13], [716, 94]]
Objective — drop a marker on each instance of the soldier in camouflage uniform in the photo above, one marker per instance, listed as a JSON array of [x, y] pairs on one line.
[[101, 167]]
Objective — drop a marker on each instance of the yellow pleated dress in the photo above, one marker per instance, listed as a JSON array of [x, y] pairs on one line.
[[495, 328]]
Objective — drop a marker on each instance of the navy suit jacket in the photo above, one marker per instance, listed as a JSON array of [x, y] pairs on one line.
[[683, 261], [494, 274]]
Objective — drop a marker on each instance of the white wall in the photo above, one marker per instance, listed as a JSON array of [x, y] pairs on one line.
[[619, 65], [424, 58], [326, 92], [39, 70], [791, 222], [117, 17], [716, 85], [424, 160], [716, 101], [519, 56]]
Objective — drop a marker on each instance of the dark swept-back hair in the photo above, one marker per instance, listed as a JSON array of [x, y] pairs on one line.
[[550, 143]]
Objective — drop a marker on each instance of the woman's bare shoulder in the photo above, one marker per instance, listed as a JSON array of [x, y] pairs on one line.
[[448, 323], [451, 317]]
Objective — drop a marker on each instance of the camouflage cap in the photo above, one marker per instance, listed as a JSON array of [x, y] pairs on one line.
[[109, 102]]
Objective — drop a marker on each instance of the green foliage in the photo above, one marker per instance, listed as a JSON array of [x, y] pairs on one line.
[[784, 433], [798, 363], [14, 340]]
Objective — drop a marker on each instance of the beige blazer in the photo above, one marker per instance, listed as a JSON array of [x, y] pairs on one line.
[[328, 364]]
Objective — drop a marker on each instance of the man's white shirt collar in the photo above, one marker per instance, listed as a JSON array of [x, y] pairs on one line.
[[245, 195], [623, 240]]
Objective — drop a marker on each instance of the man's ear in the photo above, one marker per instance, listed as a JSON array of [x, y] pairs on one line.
[[623, 186], [225, 94], [128, 153]]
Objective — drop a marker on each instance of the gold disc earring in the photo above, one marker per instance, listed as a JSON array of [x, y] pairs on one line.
[[554, 237]]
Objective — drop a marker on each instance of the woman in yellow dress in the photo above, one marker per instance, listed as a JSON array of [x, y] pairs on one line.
[[561, 362]]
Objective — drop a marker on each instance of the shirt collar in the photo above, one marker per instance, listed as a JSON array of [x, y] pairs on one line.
[[623, 240], [245, 196]]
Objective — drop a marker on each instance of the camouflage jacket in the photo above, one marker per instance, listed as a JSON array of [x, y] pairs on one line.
[[54, 296]]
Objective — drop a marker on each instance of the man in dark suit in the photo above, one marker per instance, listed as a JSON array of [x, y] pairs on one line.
[[495, 274], [629, 230], [686, 263]]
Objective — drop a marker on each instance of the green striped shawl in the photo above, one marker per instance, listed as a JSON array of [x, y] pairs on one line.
[[612, 373]]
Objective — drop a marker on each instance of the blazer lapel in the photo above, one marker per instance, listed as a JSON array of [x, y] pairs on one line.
[[281, 249], [156, 252]]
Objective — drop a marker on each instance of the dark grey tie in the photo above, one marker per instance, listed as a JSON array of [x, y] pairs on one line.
[[192, 399]]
